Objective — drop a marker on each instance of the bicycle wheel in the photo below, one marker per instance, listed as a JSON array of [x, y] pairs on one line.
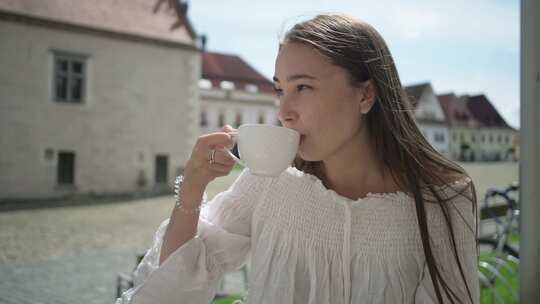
[[490, 245]]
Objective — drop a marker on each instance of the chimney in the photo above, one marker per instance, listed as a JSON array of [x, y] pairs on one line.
[[181, 7], [202, 40]]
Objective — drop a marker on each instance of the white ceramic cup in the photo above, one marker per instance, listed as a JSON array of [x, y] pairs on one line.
[[266, 150]]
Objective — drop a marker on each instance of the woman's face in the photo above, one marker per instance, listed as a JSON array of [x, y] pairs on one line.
[[317, 100]]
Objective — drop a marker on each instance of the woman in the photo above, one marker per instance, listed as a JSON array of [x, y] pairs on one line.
[[370, 212]]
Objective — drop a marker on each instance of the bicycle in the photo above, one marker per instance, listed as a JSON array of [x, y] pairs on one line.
[[506, 217], [499, 262]]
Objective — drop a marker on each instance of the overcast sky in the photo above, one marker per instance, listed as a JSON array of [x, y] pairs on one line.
[[461, 46]]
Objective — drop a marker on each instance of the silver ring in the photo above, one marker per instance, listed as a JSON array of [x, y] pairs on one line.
[[212, 157]]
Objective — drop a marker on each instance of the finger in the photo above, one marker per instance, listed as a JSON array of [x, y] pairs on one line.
[[216, 140], [220, 168], [223, 157], [228, 129], [233, 132]]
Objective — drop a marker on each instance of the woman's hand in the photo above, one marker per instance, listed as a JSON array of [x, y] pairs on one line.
[[200, 171]]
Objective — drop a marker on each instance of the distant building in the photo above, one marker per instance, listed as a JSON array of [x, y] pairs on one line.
[[430, 116], [232, 92], [497, 140], [95, 96], [464, 128], [478, 132], [464, 140]]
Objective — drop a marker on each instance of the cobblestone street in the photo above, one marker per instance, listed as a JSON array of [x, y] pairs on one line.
[[86, 278], [89, 278], [73, 254]]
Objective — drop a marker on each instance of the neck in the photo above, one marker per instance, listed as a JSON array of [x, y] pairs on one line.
[[354, 170]]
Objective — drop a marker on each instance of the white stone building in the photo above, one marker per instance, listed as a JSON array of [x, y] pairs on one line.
[[95, 96], [430, 116], [234, 93]]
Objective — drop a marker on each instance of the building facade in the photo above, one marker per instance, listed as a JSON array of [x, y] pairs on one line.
[[430, 116], [95, 97], [464, 140], [234, 93], [477, 131], [496, 139], [464, 128]]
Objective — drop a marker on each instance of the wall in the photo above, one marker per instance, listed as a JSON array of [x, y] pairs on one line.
[[142, 99]]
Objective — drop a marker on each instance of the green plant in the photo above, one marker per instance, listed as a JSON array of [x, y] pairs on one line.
[[486, 295], [227, 300]]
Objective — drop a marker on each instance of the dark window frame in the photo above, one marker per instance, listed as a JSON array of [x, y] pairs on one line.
[[63, 177], [439, 137], [204, 119], [221, 119], [238, 119], [261, 119], [71, 75], [161, 162]]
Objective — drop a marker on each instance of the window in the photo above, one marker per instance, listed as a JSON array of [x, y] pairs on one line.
[[205, 84], [473, 138], [162, 166], [221, 119], [439, 137], [66, 168], [238, 120], [204, 119], [227, 85], [454, 137], [69, 77], [507, 139], [252, 88], [261, 118], [483, 138], [490, 138], [499, 138]]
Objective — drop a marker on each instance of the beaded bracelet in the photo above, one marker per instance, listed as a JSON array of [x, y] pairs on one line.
[[177, 192]]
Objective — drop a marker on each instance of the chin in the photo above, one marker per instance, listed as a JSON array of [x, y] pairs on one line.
[[308, 151], [308, 155]]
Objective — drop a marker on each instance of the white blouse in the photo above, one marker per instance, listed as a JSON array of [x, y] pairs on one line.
[[308, 244]]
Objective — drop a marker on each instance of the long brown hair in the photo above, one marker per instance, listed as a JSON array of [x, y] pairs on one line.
[[413, 163]]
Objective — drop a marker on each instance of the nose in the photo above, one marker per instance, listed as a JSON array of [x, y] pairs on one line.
[[287, 115]]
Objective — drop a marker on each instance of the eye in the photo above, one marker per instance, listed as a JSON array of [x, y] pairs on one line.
[[302, 87]]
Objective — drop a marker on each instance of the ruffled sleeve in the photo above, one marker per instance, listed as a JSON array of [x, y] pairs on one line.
[[192, 273], [463, 221]]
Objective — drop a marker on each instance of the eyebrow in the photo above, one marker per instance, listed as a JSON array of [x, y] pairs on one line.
[[296, 77]]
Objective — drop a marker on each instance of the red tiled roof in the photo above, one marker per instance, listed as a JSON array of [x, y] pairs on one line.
[[482, 109], [219, 67], [456, 111], [154, 19]]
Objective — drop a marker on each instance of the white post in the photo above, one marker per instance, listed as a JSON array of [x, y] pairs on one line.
[[530, 152]]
